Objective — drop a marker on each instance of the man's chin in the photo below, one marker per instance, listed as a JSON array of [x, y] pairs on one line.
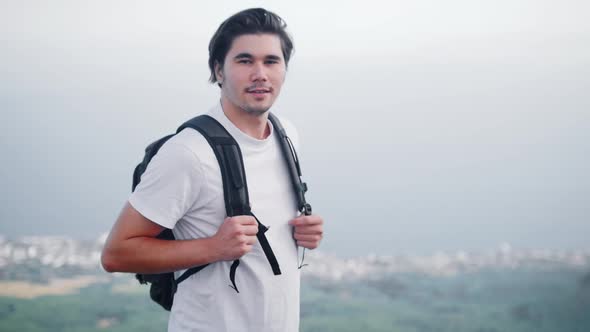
[[256, 110]]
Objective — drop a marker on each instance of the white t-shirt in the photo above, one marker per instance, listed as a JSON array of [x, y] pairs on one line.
[[182, 189]]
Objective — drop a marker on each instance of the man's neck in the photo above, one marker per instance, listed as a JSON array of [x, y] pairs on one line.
[[253, 125]]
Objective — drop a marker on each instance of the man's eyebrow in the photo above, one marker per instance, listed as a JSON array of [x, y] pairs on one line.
[[243, 55], [273, 57]]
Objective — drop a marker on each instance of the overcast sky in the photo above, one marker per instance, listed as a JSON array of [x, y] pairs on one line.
[[425, 125]]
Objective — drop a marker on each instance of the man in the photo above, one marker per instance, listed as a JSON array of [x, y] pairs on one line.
[[182, 190]]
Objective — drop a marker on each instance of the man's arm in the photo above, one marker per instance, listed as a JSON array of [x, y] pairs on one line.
[[132, 246]]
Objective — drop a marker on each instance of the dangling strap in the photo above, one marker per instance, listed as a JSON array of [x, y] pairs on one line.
[[232, 274], [276, 269]]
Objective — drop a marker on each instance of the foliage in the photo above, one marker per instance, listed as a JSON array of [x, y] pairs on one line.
[[488, 301]]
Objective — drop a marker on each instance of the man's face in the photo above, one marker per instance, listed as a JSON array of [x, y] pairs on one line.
[[253, 73]]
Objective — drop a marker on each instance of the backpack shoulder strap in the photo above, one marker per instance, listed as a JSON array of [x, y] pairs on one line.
[[293, 166], [229, 156]]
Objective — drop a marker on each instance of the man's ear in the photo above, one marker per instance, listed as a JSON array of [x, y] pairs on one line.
[[218, 73]]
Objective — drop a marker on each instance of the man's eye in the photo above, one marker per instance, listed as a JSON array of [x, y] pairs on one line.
[[244, 61], [271, 62]]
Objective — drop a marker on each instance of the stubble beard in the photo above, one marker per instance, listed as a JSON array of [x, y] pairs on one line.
[[256, 111]]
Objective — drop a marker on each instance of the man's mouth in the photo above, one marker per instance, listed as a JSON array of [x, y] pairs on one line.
[[257, 90]]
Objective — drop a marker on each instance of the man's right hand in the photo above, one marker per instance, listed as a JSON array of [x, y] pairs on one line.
[[235, 237]]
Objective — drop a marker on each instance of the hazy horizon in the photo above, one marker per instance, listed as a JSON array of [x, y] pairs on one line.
[[424, 126]]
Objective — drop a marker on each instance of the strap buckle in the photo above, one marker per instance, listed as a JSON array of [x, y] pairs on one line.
[[306, 209]]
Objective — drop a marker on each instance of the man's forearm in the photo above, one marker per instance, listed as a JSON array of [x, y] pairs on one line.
[[151, 255]]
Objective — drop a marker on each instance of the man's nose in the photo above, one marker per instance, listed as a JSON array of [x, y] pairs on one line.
[[259, 72]]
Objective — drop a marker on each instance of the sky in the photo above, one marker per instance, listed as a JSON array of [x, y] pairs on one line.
[[424, 125]]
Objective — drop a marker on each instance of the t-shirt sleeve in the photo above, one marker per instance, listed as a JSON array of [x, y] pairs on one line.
[[170, 185]]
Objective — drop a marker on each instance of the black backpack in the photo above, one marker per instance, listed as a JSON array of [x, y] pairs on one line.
[[235, 192]]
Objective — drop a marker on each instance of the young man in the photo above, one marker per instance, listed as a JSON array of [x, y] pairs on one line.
[[182, 190]]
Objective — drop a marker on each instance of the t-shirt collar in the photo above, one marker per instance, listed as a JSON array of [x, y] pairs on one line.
[[242, 138]]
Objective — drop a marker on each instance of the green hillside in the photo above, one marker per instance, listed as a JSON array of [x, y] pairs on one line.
[[487, 301]]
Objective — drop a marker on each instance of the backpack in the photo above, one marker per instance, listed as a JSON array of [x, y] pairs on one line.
[[235, 191]]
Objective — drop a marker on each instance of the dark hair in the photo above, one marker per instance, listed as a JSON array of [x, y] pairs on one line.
[[249, 21]]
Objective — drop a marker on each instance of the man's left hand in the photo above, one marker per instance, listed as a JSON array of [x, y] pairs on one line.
[[308, 230]]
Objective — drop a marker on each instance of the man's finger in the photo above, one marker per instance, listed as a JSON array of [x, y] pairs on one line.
[[314, 229], [245, 220], [251, 240], [306, 221], [307, 237], [249, 220], [251, 229]]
